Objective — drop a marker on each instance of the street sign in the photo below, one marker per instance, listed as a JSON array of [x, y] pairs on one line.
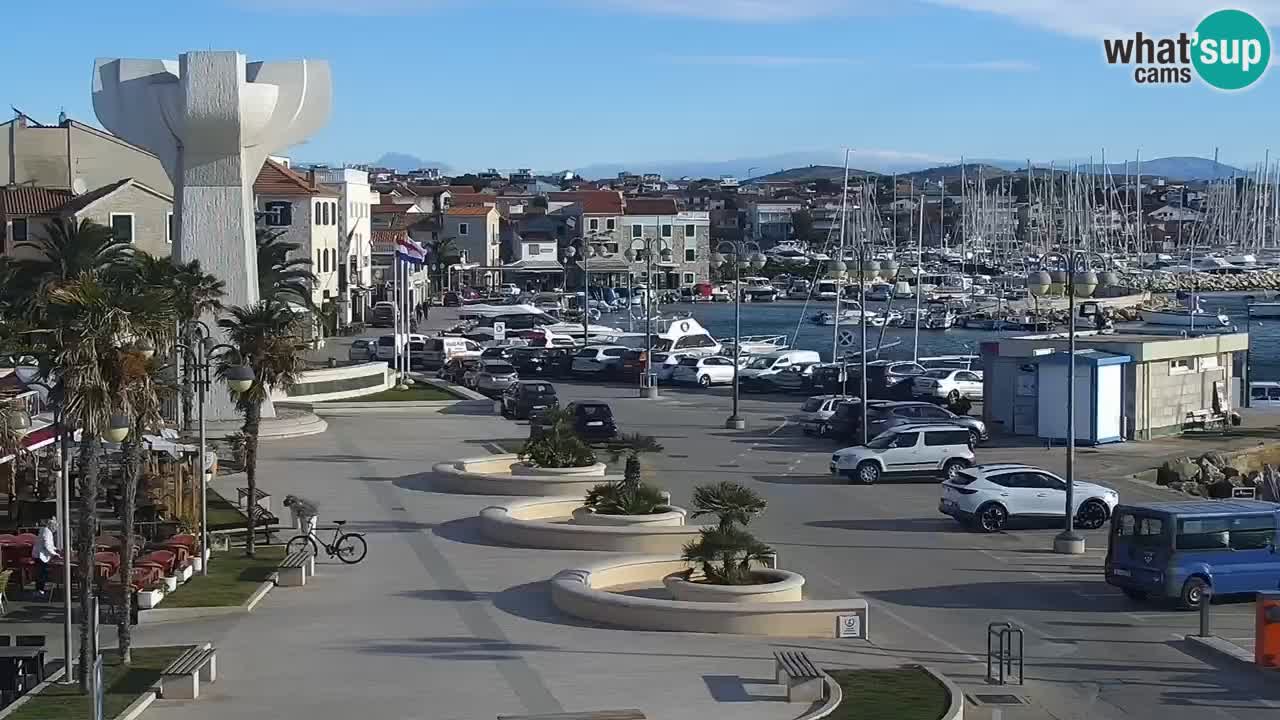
[[499, 331], [850, 626], [846, 338]]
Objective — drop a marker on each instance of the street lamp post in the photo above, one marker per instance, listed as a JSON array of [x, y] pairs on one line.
[[588, 251], [868, 269], [744, 253], [649, 388], [1071, 274]]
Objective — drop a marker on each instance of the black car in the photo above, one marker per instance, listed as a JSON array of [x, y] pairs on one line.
[[528, 397], [497, 353], [593, 420], [457, 368], [541, 362], [846, 423], [452, 299]]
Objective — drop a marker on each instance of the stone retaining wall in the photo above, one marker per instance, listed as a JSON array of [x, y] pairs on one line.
[[532, 523]]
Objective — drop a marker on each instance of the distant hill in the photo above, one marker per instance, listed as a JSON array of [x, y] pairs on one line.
[[811, 173], [1178, 168], [404, 162], [954, 172]]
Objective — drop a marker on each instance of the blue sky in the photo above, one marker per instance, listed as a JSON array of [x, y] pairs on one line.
[[556, 84]]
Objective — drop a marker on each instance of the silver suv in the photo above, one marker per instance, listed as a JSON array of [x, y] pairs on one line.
[[936, 450]]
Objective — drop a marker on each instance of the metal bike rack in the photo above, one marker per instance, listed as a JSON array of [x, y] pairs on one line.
[[1004, 653]]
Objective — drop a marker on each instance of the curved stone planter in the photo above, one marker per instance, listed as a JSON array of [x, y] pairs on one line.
[[533, 523], [674, 516], [506, 475], [780, 586], [582, 593]]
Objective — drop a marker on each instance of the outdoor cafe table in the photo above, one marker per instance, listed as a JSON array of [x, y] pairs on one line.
[[15, 664]]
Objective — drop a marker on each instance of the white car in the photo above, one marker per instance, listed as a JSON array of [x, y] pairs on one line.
[[939, 450], [705, 371], [816, 413], [599, 359], [665, 365], [493, 376], [509, 290], [363, 349], [987, 496], [948, 384]]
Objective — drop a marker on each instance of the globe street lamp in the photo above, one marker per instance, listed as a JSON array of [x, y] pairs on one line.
[[744, 254], [646, 245], [589, 251], [1072, 273]]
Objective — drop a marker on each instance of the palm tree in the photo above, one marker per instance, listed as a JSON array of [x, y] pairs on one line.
[[98, 323], [726, 551], [64, 252], [283, 276], [264, 335], [443, 251]]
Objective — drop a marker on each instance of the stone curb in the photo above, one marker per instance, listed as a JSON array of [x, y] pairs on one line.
[[834, 697], [137, 707], [424, 407], [163, 614], [1222, 648], [955, 708]]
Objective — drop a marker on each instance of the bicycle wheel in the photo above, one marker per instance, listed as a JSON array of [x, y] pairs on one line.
[[351, 548], [302, 542]]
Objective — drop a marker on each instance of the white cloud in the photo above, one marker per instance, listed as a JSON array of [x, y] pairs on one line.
[[1102, 18], [759, 60], [739, 10], [983, 66]]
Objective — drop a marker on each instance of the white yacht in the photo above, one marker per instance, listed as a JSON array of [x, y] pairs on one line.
[[754, 344], [1265, 308], [827, 289], [759, 289], [526, 317], [1194, 316]]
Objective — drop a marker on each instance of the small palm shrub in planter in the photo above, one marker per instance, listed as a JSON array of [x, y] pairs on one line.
[[726, 552], [555, 444], [628, 496]]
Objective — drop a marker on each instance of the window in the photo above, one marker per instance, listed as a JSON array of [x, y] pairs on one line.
[[687, 279], [535, 249], [1258, 393], [168, 228], [946, 437], [593, 224], [1252, 533], [463, 228], [1143, 530], [690, 255], [1181, 365], [666, 231], [278, 213], [690, 231], [967, 377], [1205, 534], [122, 226], [906, 440], [612, 248], [1209, 362], [17, 231]]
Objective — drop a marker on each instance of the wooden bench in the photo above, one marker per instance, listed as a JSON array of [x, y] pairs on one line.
[[803, 679], [294, 569], [595, 715], [1204, 420], [181, 679], [242, 497]]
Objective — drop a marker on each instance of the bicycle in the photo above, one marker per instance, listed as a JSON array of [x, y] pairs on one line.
[[348, 547]]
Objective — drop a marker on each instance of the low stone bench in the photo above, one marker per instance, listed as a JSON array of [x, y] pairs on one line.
[[181, 679], [294, 569], [803, 679]]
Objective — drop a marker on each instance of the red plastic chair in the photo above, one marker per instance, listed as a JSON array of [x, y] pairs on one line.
[[163, 559], [109, 560]]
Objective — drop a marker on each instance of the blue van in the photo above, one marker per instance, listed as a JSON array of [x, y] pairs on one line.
[[1177, 549]]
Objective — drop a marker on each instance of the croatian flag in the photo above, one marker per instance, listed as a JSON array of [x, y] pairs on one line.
[[410, 251]]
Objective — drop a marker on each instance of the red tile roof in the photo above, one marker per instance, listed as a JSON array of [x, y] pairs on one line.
[[32, 200], [276, 179], [385, 240], [594, 202], [651, 206], [477, 210]]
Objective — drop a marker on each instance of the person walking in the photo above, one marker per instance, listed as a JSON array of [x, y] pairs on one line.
[[426, 309], [44, 550]]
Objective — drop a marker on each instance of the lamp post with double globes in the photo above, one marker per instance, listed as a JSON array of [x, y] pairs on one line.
[[589, 250], [1071, 273], [744, 254], [869, 269], [646, 245]]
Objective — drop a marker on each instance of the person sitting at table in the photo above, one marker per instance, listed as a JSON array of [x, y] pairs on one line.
[[44, 550]]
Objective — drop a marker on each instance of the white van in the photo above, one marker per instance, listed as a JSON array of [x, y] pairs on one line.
[[440, 350], [385, 345], [776, 362]]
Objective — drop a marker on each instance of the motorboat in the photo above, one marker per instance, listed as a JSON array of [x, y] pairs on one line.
[[789, 251], [851, 311], [758, 289], [827, 290], [799, 289], [902, 291], [823, 318], [1262, 309], [932, 316], [1193, 316], [754, 344], [878, 293], [686, 336]]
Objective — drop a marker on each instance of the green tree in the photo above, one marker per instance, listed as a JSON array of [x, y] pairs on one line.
[[265, 338], [443, 252], [283, 275], [802, 225], [65, 251], [630, 495], [726, 552], [553, 442]]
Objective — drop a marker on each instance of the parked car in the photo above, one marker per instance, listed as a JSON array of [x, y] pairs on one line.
[[948, 384], [493, 376], [797, 378], [988, 496], [593, 420], [599, 360], [775, 362], [816, 413], [885, 415], [497, 353], [1183, 550], [455, 370], [664, 365], [509, 290], [705, 371], [886, 378], [526, 397], [932, 450], [440, 350], [452, 299], [363, 349], [383, 314], [634, 363]]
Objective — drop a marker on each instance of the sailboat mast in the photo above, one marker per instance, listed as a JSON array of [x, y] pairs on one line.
[[844, 206], [915, 344]]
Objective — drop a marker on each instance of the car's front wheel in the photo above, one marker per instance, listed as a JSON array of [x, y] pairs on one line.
[[1193, 593], [1091, 515], [867, 473], [704, 380], [992, 517], [974, 437]]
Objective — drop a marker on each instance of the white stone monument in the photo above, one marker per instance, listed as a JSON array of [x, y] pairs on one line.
[[212, 119]]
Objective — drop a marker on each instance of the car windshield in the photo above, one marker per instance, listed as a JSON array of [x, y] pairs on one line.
[[689, 362], [938, 373], [812, 405], [882, 442], [595, 411], [539, 390], [386, 341], [499, 368], [760, 363]]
